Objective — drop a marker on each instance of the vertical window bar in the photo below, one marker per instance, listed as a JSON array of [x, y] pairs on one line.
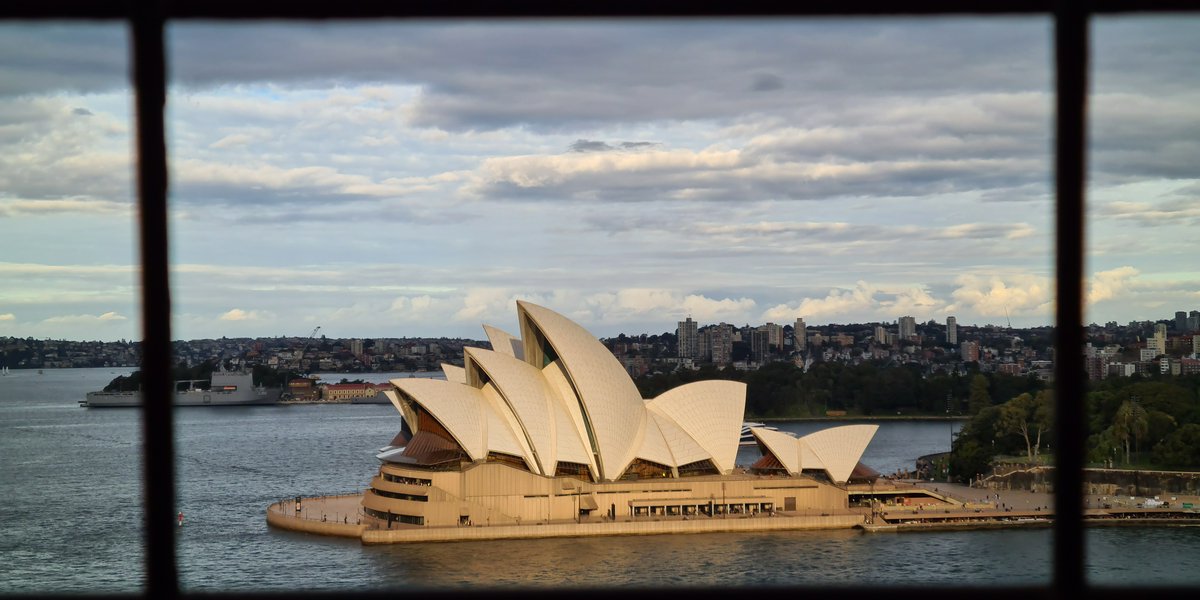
[[1071, 64], [158, 455]]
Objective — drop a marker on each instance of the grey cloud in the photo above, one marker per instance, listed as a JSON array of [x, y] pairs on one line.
[[39, 58], [589, 146], [596, 146], [766, 82], [83, 112]]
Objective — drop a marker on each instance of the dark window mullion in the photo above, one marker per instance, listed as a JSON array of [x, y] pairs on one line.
[[1071, 64], [148, 61]]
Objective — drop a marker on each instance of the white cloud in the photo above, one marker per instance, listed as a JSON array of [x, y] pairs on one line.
[[1110, 284], [237, 314], [998, 296], [86, 319], [8, 317]]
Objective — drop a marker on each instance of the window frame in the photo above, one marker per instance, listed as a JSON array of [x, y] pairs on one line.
[[147, 19]]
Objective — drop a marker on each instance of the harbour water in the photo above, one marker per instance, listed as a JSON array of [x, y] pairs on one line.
[[71, 513]]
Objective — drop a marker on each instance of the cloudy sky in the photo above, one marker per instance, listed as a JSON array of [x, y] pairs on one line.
[[415, 179]]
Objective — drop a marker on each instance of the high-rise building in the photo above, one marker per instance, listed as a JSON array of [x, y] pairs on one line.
[[799, 339], [356, 347], [1158, 342], [969, 351], [908, 328], [1194, 320], [951, 331], [1181, 321], [760, 345], [882, 337], [721, 343], [687, 336], [775, 335]]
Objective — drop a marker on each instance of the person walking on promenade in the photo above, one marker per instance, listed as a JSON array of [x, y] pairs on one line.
[[181, 518]]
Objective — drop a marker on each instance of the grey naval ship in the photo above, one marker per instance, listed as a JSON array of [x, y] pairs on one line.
[[226, 388]]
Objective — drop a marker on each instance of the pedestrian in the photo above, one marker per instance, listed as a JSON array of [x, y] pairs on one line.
[[181, 518]]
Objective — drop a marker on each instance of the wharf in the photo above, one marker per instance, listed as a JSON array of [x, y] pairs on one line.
[[974, 508]]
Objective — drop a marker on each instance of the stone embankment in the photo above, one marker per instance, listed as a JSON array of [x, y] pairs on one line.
[[341, 516]]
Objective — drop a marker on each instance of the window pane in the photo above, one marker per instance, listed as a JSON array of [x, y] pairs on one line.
[[69, 314], [1143, 306], [387, 181]]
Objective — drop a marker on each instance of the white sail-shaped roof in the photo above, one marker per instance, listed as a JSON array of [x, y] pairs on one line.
[[504, 342], [457, 407], [454, 374], [572, 443], [499, 423], [406, 411], [557, 395], [684, 448], [840, 448], [528, 395], [654, 446], [612, 404], [836, 450], [711, 413], [783, 446]]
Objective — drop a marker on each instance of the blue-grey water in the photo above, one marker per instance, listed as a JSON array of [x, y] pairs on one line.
[[70, 512]]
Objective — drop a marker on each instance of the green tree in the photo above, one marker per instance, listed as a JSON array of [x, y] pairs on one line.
[[1028, 416], [1181, 448], [978, 399], [1130, 424]]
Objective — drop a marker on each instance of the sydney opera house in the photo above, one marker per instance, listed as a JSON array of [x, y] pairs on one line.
[[548, 427]]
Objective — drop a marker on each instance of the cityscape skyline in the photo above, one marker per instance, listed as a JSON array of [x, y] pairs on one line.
[[419, 178]]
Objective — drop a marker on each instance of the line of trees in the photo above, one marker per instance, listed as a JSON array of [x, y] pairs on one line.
[[1139, 422], [781, 390]]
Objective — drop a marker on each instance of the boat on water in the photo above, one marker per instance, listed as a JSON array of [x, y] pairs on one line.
[[226, 388]]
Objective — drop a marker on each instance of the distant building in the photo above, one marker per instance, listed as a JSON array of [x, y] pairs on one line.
[[760, 345], [951, 331], [687, 335], [882, 337], [1181, 320], [908, 328], [799, 339], [969, 351], [346, 392], [303, 388], [774, 335], [720, 344], [1121, 369], [1194, 320]]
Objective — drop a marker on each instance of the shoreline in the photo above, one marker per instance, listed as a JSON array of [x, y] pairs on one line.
[[962, 509]]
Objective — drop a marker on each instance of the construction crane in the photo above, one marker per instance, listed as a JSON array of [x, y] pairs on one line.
[[305, 349]]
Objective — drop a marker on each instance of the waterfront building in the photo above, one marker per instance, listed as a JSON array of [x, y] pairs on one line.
[[952, 331], [557, 431], [687, 338]]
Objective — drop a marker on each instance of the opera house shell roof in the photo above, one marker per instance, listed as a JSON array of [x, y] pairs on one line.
[[555, 401]]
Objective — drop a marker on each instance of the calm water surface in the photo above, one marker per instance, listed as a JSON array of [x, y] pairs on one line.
[[72, 513]]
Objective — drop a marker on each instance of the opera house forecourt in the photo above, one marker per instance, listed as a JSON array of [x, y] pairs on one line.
[[547, 435]]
